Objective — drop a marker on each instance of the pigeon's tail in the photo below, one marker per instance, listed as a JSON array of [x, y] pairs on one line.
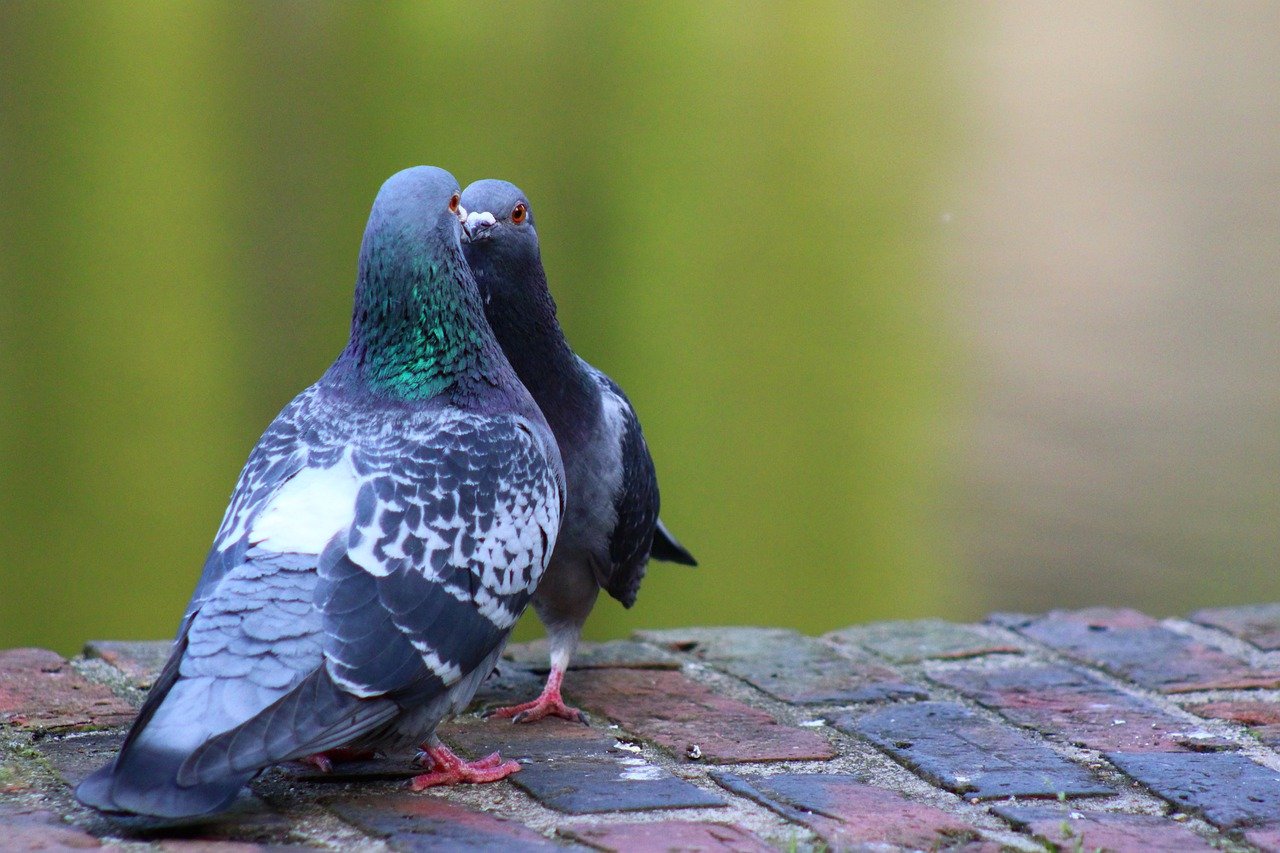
[[141, 783], [142, 778], [175, 767], [666, 548], [315, 716]]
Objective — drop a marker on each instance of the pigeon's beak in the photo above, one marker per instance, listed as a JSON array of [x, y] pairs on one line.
[[477, 226], [462, 216]]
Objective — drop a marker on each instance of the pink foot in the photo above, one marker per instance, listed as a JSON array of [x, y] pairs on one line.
[[323, 761], [548, 704], [448, 769]]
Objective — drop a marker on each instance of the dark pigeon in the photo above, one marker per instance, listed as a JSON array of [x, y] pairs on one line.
[[385, 535], [611, 528]]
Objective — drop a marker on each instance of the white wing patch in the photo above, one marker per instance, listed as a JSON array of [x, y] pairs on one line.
[[308, 510]]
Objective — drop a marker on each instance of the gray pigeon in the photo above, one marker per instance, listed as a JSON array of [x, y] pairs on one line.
[[385, 535], [611, 527]]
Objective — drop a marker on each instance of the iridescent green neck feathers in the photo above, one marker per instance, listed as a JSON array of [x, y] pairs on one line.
[[418, 327]]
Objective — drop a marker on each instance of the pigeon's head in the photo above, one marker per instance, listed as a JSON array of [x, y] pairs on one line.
[[417, 319], [416, 211], [498, 233]]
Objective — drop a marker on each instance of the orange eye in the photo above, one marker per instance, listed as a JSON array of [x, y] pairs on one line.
[[453, 203], [519, 213]]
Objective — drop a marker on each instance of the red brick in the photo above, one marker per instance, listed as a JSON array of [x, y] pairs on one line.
[[140, 662], [576, 769], [845, 811], [427, 821], [1061, 829], [679, 713], [1267, 840], [204, 845], [1132, 645], [1075, 707], [1262, 717], [40, 690], [1258, 624], [40, 830], [667, 835]]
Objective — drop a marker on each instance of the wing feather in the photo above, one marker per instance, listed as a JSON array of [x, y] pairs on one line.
[[452, 531], [635, 502]]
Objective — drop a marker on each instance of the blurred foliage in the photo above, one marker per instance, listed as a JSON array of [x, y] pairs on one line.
[[736, 209]]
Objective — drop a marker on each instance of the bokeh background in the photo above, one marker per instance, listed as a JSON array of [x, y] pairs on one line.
[[927, 308]]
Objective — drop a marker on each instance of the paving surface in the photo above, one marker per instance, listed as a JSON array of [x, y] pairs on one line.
[[1099, 729]]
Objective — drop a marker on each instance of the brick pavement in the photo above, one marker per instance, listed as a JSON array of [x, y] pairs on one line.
[[1094, 729]]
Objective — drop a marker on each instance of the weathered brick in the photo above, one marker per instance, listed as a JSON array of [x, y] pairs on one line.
[[1227, 788], [615, 653], [23, 829], [1067, 829], [214, 845], [844, 810], [965, 753], [428, 822], [669, 708], [140, 662], [789, 666], [370, 769], [926, 639], [510, 684], [18, 773], [40, 690], [1266, 840], [1069, 705], [76, 756], [1258, 624], [248, 819], [667, 835], [576, 769], [1262, 718], [1132, 645]]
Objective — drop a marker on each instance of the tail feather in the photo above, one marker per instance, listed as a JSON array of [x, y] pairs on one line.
[[139, 779], [184, 762], [140, 782], [666, 548], [315, 716]]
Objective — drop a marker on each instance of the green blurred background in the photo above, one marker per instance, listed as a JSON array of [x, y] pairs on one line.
[[927, 308]]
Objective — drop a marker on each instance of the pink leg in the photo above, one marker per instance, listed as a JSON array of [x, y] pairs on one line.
[[323, 761], [548, 704], [448, 769]]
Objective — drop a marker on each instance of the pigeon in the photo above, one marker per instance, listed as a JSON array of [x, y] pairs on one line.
[[611, 528], [384, 536]]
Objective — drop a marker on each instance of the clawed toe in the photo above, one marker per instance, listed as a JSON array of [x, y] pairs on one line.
[[543, 706], [548, 704], [449, 769], [319, 761]]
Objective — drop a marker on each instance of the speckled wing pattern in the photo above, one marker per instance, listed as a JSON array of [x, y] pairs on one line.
[[453, 528], [636, 501]]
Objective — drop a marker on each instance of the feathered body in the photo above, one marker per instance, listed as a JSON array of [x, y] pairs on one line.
[[611, 527], [385, 535]]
